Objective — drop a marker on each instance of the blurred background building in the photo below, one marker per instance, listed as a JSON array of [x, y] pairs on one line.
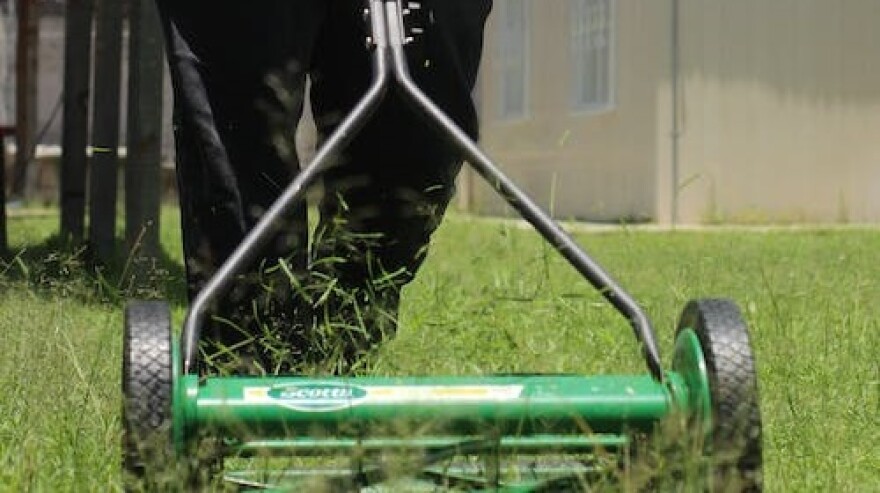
[[686, 110]]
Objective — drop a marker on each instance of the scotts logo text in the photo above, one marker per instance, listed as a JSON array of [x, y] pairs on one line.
[[317, 397]]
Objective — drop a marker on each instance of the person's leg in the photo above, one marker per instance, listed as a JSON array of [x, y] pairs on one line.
[[234, 134], [387, 195]]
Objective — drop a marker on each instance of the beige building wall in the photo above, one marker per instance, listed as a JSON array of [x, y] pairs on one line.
[[780, 109], [585, 165], [777, 106]]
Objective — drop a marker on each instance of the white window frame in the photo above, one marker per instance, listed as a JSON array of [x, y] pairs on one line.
[[603, 74], [513, 58]]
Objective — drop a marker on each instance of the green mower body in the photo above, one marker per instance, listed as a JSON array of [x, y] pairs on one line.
[[501, 433]]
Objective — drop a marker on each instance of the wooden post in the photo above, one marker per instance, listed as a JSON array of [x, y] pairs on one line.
[[26, 68], [143, 164], [4, 241], [75, 123], [104, 164]]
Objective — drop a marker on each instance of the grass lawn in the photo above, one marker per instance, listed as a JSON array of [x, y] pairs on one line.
[[491, 298]]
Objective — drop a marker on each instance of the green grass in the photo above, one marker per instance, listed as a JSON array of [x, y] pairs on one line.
[[491, 298]]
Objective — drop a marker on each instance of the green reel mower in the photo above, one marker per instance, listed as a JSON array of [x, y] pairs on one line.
[[525, 433]]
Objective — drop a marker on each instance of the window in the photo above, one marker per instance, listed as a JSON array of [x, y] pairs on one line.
[[513, 55], [592, 52]]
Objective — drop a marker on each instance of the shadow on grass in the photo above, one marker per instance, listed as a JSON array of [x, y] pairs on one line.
[[58, 267]]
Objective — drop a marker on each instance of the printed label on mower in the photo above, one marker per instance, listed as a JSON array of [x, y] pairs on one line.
[[324, 397], [312, 396]]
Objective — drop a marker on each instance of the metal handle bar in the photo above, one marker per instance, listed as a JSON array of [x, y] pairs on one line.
[[388, 38]]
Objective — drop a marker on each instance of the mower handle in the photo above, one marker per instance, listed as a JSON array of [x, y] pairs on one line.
[[387, 40]]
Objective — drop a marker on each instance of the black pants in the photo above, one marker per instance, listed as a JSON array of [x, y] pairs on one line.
[[239, 71]]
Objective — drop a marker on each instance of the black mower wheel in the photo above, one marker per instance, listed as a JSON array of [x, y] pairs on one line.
[[735, 444], [146, 388]]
